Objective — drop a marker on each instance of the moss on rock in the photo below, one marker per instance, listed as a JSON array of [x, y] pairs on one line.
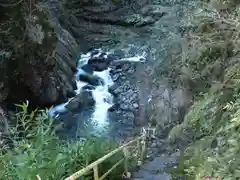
[[41, 63], [212, 122]]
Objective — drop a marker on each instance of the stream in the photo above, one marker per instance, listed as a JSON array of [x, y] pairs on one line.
[[115, 87], [96, 81]]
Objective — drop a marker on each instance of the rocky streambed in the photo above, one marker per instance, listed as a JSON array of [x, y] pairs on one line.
[[97, 62], [135, 39], [123, 81], [106, 95], [116, 83]]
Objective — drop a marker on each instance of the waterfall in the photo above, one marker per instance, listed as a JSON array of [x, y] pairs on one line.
[[100, 91], [103, 99]]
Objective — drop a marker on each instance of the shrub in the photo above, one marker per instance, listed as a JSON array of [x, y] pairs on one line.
[[214, 118], [38, 151]]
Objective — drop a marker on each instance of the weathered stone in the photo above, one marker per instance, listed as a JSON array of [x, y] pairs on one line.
[[98, 63], [45, 76], [87, 68], [81, 101], [115, 77], [89, 87], [114, 89], [91, 79]]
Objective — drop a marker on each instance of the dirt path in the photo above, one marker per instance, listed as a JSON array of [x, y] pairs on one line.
[[161, 158]]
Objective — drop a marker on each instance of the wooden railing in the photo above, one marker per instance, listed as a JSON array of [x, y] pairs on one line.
[[139, 148]]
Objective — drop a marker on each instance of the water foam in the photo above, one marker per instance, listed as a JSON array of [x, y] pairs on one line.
[[103, 99]]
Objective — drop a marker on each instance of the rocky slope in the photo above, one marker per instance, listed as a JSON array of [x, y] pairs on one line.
[[41, 67], [37, 56]]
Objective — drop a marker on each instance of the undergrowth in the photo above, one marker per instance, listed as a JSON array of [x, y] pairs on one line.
[[37, 151], [210, 66]]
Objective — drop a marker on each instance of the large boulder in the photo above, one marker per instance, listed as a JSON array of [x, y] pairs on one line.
[[83, 100], [99, 63], [91, 79], [40, 63]]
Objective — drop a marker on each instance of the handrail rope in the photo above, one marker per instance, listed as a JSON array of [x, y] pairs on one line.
[[94, 165], [97, 162]]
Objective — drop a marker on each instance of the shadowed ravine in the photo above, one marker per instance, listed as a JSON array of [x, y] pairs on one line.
[[116, 81], [141, 44], [79, 78]]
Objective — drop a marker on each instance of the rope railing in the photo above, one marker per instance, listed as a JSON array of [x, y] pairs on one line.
[[140, 148]]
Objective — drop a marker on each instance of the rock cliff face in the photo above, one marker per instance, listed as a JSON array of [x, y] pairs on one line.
[[37, 56]]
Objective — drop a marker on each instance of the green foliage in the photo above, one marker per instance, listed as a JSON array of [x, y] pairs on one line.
[[38, 151], [216, 154], [214, 118]]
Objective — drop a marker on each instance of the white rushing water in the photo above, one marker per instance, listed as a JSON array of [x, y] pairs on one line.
[[103, 99]]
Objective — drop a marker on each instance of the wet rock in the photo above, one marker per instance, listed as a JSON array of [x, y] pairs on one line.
[[95, 52], [81, 101], [115, 56], [124, 91], [131, 71], [114, 89], [146, 21], [88, 87], [135, 105], [87, 68], [129, 116], [125, 106], [115, 77], [74, 84], [91, 79], [100, 63], [114, 108], [155, 11], [70, 94], [129, 20]]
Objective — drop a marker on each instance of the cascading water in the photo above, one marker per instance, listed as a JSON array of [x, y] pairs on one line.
[[100, 91], [103, 99]]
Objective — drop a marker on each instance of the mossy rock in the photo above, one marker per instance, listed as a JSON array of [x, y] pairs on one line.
[[42, 64]]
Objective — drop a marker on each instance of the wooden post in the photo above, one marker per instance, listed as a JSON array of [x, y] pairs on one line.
[[138, 148], [95, 172], [143, 148], [95, 164], [154, 132], [139, 161], [126, 156]]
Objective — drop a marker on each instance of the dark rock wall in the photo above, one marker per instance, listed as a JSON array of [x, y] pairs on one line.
[[41, 61], [38, 59]]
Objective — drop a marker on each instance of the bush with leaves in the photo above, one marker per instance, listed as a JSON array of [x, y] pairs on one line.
[[38, 151], [213, 121]]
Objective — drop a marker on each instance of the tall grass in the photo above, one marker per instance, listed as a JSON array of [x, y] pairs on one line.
[[213, 121], [39, 152]]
